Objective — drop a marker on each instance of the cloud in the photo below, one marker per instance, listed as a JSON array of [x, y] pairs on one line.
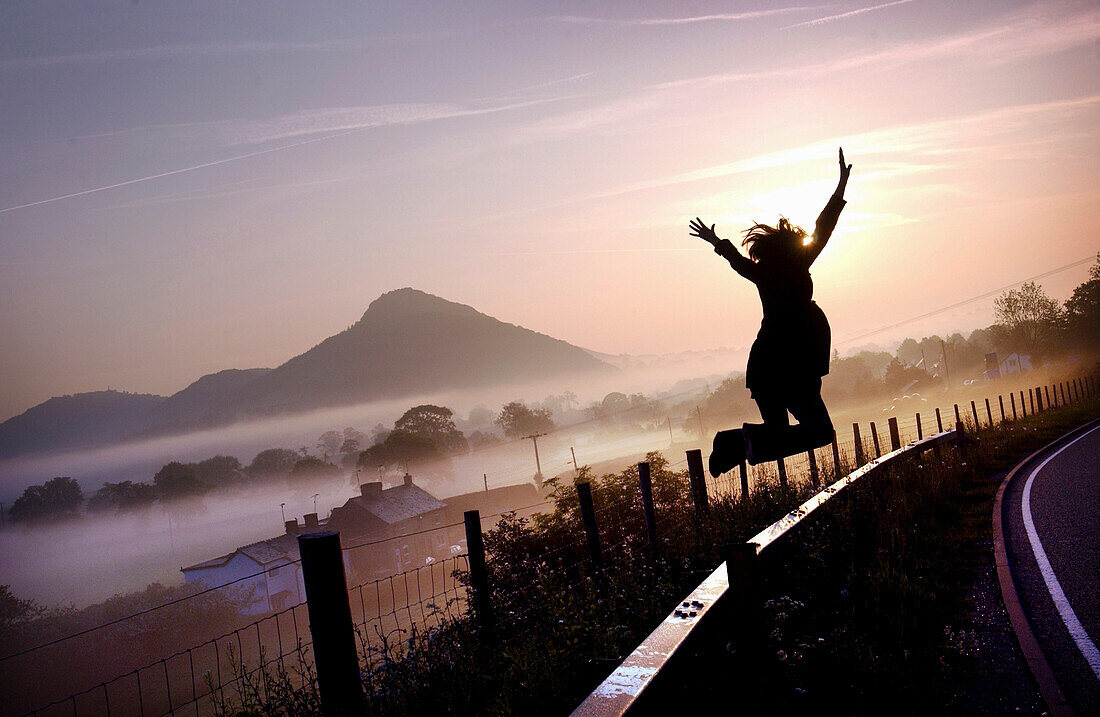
[[844, 15]]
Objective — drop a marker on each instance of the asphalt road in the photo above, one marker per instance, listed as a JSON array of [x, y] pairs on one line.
[[1052, 525]]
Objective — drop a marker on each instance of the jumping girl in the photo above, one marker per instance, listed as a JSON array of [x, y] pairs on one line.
[[791, 351]]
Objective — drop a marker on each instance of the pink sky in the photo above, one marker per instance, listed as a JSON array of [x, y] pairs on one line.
[[199, 188]]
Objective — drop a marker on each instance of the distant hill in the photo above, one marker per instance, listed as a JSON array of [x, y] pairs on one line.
[[79, 421], [407, 343]]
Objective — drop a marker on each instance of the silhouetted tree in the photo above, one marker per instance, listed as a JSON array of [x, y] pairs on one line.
[[1027, 319], [178, 480], [398, 447], [329, 443], [1083, 311], [273, 462], [59, 497], [311, 467], [436, 423], [122, 496], [516, 419], [218, 471]]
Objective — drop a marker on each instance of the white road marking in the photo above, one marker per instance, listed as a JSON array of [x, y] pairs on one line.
[[1069, 617]]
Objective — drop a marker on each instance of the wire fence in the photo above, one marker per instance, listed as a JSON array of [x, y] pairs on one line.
[[232, 665]]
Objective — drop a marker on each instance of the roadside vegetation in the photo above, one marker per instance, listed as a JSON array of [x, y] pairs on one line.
[[865, 610]]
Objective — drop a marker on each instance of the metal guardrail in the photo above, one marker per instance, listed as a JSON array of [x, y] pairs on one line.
[[624, 687]]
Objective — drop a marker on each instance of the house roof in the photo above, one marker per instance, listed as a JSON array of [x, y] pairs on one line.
[[398, 503], [264, 552]]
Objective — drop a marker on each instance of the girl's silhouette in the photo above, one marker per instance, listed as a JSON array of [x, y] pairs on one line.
[[791, 351]]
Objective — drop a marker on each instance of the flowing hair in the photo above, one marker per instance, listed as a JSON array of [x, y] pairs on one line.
[[767, 243]]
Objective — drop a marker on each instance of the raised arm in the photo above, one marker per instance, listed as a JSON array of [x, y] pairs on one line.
[[826, 221], [724, 248]]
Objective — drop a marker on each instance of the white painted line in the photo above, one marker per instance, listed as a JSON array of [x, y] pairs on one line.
[[1069, 617]]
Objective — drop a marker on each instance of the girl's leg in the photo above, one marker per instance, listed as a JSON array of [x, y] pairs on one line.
[[776, 438]]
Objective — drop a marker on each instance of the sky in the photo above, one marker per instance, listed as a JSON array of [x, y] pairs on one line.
[[189, 187]]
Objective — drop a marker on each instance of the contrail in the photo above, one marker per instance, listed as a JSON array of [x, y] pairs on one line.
[[280, 148], [851, 13], [184, 170]]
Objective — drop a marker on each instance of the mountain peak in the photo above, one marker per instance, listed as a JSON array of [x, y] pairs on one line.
[[409, 301]]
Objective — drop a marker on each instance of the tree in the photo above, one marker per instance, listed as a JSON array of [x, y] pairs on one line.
[[178, 480], [218, 471], [898, 376], [1083, 310], [273, 462], [14, 611], [1028, 320], [311, 467], [436, 423], [59, 497], [400, 446], [329, 443], [480, 417], [122, 496], [517, 420]]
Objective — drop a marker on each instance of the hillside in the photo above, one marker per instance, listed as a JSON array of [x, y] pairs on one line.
[[78, 421], [407, 343]]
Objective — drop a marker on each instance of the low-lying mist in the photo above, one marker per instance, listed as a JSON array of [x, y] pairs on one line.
[[99, 554]]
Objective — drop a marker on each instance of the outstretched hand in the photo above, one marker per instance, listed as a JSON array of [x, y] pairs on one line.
[[845, 170], [701, 230]]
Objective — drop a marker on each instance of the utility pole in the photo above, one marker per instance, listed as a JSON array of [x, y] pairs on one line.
[[538, 466], [699, 414], [670, 441], [574, 454], [485, 477], [946, 372], [282, 509]]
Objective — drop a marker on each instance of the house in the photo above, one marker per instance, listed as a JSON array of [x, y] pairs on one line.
[[1014, 363], [272, 577], [389, 530]]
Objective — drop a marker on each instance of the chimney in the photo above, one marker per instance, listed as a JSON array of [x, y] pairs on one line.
[[291, 527], [371, 490], [311, 521], [408, 479]]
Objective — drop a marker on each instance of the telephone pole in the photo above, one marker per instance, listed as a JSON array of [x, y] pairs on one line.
[[538, 466], [946, 372]]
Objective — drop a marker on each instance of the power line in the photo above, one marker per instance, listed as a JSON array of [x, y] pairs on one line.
[[964, 302]]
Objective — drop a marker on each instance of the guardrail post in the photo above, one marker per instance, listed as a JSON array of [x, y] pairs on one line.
[[479, 573], [895, 436], [815, 479], [741, 569], [858, 445], [588, 513], [645, 484], [330, 621], [836, 458], [697, 482], [874, 438], [939, 422], [743, 469], [781, 467]]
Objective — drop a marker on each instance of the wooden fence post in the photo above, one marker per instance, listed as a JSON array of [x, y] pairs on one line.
[[874, 439], [858, 445], [836, 458], [974, 409], [330, 622], [743, 469], [645, 484], [1062, 388], [939, 422], [1001, 401], [479, 574], [697, 482], [815, 479], [920, 428], [1046, 392], [1023, 403], [1012, 400], [895, 436], [588, 514], [781, 467], [957, 416], [988, 413]]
